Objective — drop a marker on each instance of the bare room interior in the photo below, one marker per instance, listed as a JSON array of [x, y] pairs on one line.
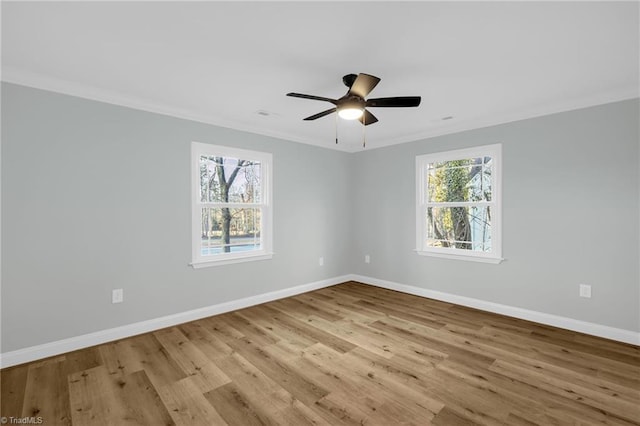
[[328, 213]]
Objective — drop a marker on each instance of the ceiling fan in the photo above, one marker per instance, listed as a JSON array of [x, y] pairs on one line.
[[353, 105]]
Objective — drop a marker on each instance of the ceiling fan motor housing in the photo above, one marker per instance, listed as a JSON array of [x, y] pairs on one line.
[[351, 102]]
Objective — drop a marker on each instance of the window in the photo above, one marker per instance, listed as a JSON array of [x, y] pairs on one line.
[[231, 205], [458, 204]]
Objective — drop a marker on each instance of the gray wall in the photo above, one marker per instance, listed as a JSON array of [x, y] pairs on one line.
[[96, 197], [570, 212], [571, 200]]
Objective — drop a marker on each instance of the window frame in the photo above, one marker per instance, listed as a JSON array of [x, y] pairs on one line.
[[265, 206], [422, 204]]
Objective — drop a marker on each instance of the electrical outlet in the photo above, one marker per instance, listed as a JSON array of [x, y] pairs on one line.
[[367, 259], [321, 261], [117, 295], [585, 290]]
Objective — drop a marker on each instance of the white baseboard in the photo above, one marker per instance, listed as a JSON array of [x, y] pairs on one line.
[[607, 332], [45, 350]]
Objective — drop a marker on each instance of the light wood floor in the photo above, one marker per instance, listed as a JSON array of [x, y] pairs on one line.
[[349, 354]]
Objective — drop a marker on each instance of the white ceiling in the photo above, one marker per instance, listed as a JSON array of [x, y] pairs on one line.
[[481, 63]]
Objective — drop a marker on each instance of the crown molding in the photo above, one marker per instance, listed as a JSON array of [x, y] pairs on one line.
[[510, 117], [52, 84], [80, 90]]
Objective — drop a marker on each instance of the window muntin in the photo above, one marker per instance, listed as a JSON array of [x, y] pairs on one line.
[[458, 204], [231, 205]]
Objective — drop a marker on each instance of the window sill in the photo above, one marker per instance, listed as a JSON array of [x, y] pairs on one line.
[[456, 256], [230, 260]]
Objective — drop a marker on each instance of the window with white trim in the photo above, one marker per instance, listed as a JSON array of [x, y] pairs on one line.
[[458, 204], [231, 205]]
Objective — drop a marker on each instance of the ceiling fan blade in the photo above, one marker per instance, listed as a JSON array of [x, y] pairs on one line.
[[321, 114], [363, 85], [395, 102], [315, 98], [368, 118]]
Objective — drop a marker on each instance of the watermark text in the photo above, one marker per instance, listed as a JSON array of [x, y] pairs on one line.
[[29, 420]]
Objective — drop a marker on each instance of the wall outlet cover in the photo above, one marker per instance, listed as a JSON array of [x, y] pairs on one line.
[[117, 295]]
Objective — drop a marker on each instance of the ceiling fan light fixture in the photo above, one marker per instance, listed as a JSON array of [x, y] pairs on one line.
[[350, 113], [351, 108]]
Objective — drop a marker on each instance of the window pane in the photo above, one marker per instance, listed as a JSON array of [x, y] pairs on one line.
[[467, 228], [226, 230], [229, 180], [460, 180]]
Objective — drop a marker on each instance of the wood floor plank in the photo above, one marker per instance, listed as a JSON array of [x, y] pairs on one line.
[[617, 347], [92, 399], [394, 381], [374, 340], [301, 414], [335, 407], [448, 416], [235, 408], [349, 354], [101, 398], [251, 331], [585, 364], [46, 393], [306, 329], [526, 399], [303, 310], [83, 359], [478, 405], [209, 344], [606, 389], [278, 332], [13, 382], [281, 372], [187, 406], [377, 379], [487, 389], [199, 369], [423, 319], [141, 400], [119, 358], [624, 409], [145, 350], [260, 396], [421, 307], [436, 342], [312, 364], [343, 309], [571, 344]]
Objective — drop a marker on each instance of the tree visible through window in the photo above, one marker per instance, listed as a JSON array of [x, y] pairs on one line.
[[223, 180], [232, 205], [458, 203]]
